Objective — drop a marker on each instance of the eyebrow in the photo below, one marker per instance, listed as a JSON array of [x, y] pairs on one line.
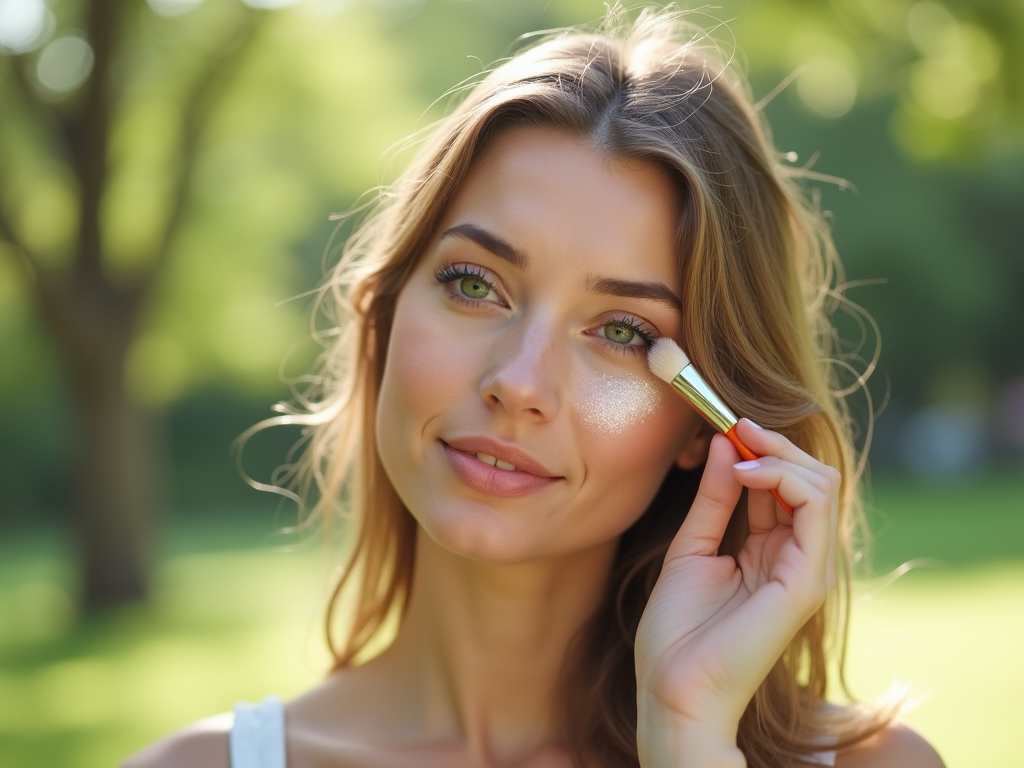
[[489, 242], [634, 289], [651, 290]]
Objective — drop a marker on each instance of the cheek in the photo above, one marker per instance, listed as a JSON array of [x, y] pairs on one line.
[[631, 429], [428, 370], [612, 405]]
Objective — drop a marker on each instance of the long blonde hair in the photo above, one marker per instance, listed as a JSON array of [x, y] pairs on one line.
[[759, 284]]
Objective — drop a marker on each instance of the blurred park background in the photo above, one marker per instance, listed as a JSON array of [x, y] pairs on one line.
[[167, 169]]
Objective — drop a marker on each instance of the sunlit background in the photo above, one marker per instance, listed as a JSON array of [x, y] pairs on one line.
[[166, 175]]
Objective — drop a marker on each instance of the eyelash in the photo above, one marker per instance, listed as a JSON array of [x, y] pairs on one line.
[[448, 273]]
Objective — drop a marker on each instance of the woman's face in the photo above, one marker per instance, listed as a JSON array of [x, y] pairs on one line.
[[520, 338]]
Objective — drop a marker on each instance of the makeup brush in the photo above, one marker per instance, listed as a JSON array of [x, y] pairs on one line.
[[670, 364]]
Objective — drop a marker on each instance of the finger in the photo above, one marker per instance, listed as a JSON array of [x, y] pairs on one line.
[[763, 512], [702, 530], [768, 443], [764, 442], [810, 495]]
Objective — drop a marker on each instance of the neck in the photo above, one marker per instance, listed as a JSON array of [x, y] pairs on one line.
[[484, 645]]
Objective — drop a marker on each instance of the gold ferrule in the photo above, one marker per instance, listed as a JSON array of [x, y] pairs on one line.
[[704, 399]]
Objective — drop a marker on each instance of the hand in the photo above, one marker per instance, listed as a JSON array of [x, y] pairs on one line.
[[715, 625]]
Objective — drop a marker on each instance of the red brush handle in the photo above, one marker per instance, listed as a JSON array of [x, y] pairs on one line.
[[749, 455]]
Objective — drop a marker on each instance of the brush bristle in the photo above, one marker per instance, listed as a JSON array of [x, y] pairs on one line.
[[666, 359]]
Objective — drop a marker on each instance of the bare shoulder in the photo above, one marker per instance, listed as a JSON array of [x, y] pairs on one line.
[[898, 746], [201, 745]]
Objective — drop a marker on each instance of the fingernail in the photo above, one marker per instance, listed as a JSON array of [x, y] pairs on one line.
[[743, 466], [754, 424]]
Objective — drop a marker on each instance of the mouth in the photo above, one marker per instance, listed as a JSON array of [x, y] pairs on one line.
[[504, 456], [494, 469]]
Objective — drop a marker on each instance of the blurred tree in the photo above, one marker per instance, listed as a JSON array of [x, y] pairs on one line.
[[155, 171], [91, 312]]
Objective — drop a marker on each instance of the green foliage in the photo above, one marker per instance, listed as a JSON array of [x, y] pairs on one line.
[[324, 89], [953, 67]]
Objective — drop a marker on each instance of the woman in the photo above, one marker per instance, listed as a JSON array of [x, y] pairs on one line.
[[553, 560]]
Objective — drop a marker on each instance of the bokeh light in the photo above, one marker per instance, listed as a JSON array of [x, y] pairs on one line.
[[24, 25], [64, 64]]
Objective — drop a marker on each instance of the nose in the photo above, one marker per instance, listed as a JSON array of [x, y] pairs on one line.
[[523, 378]]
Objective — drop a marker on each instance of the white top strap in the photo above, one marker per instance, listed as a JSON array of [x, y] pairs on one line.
[[257, 736]]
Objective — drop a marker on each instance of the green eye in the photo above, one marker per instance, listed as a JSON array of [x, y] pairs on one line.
[[621, 334], [474, 288]]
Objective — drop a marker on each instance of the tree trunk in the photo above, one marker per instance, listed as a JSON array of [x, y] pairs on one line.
[[93, 320], [117, 490], [117, 495]]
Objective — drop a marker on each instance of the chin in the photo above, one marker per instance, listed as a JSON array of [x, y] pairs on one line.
[[479, 532]]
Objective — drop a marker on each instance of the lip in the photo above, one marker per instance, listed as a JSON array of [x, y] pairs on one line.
[[529, 475], [522, 461]]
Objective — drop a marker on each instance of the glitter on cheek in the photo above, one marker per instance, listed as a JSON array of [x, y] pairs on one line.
[[617, 403]]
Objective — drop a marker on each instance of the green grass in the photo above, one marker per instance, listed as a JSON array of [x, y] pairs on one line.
[[234, 618], [222, 626], [954, 636]]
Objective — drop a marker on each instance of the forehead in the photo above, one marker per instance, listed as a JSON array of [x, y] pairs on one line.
[[555, 196]]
